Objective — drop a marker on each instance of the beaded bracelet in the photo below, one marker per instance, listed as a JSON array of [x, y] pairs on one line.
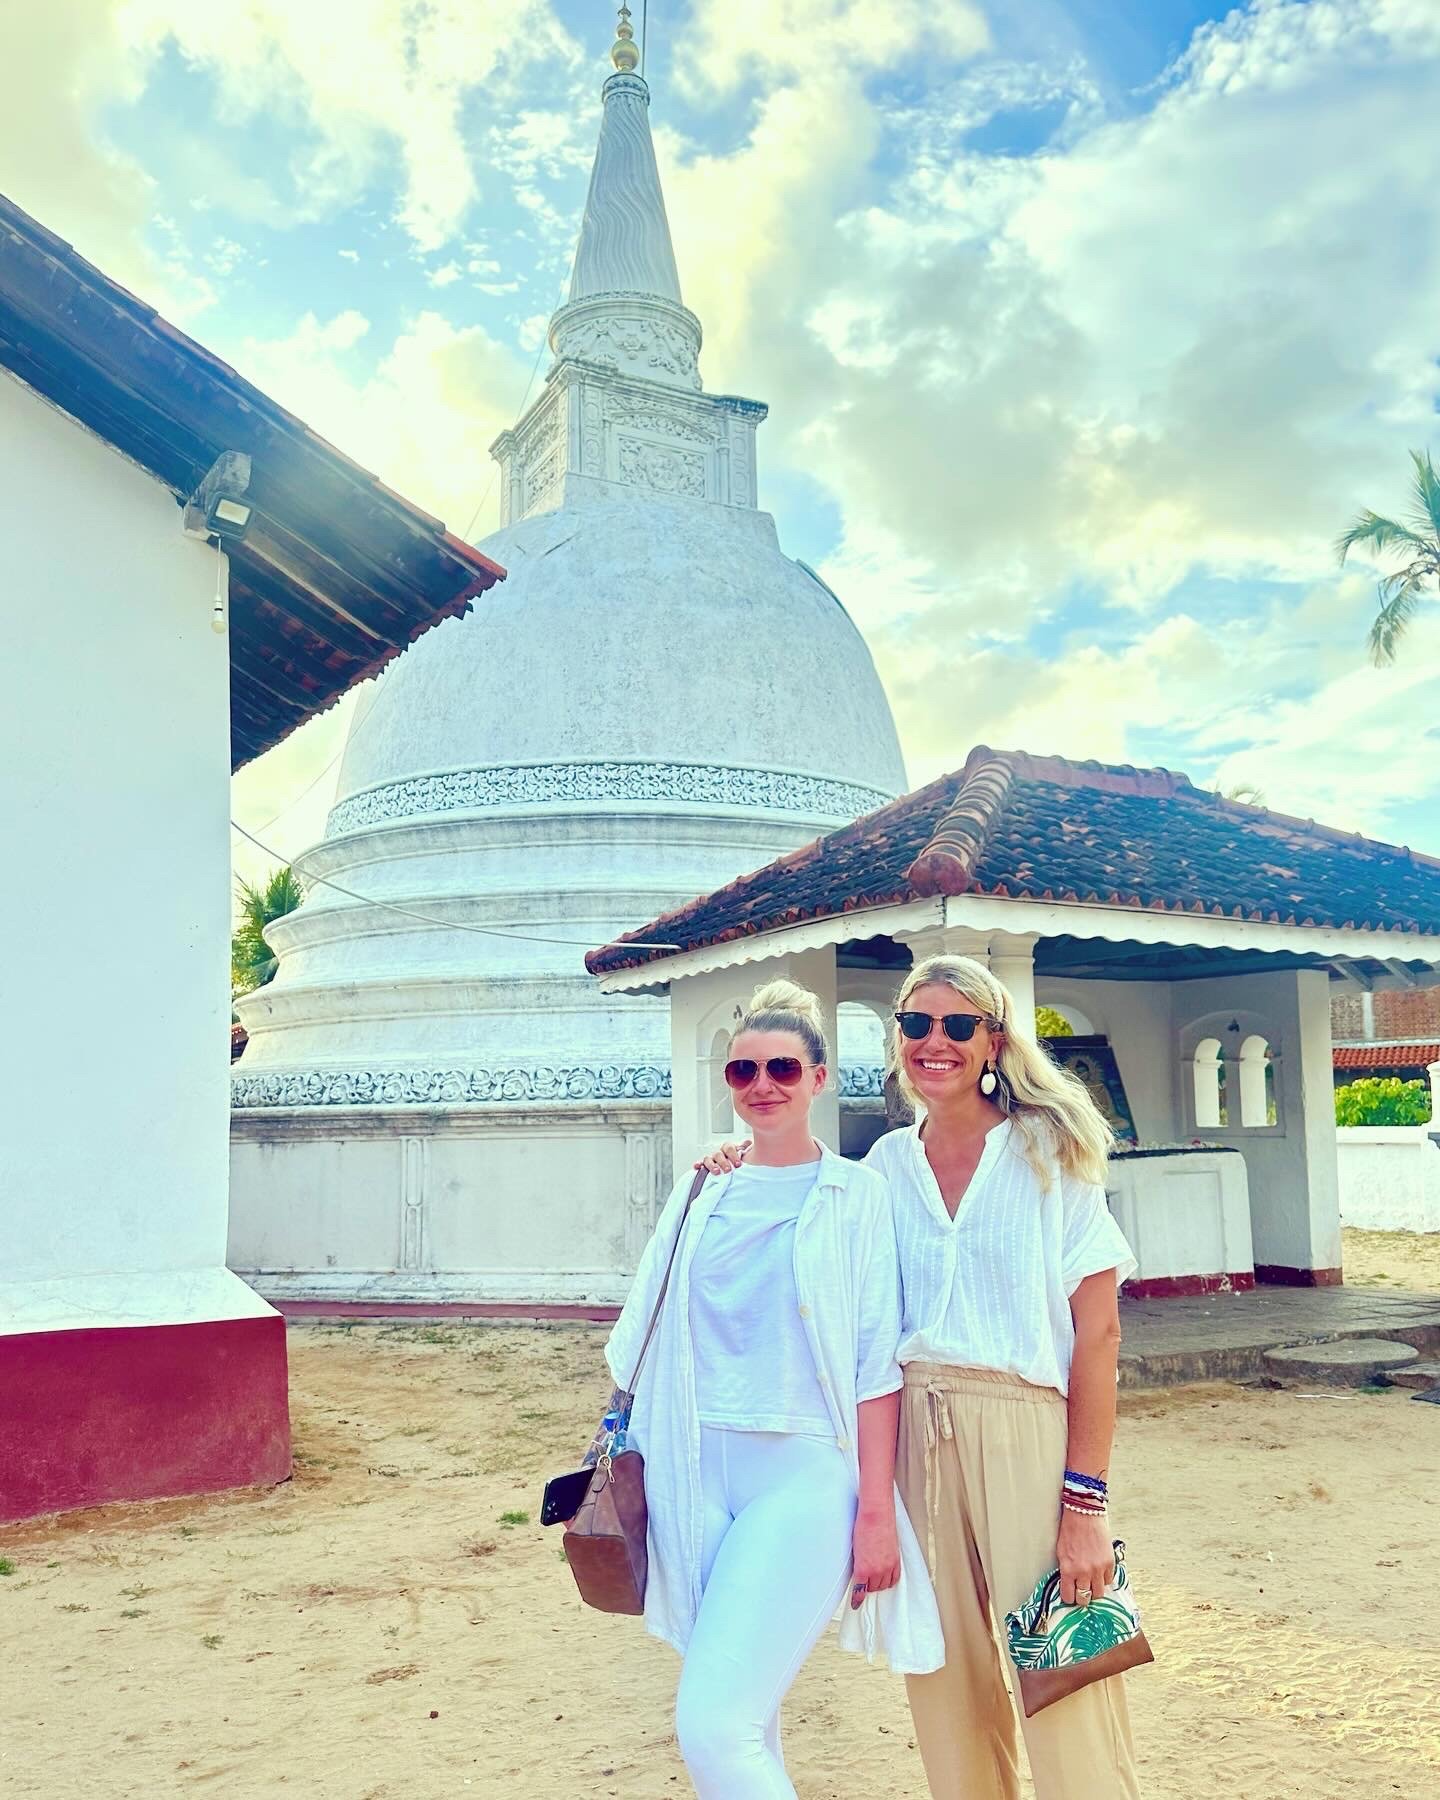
[[1084, 1494]]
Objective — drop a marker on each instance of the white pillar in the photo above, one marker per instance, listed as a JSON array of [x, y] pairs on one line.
[[1012, 961], [1432, 1075], [1317, 1086], [946, 940]]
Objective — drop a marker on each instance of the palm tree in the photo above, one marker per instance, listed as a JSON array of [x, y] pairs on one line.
[[1418, 543], [252, 962]]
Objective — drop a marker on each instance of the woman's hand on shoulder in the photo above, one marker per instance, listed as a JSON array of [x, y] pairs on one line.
[[724, 1160]]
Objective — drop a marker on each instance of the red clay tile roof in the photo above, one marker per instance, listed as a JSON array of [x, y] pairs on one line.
[[1044, 828], [1386, 1056], [337, 573]]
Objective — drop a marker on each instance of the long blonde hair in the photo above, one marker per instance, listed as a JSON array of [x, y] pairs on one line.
[[1060, 1121], [782, 1005]]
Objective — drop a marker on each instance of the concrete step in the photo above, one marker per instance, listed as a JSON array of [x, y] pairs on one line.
[[1348, 1362], [1417, 1375]]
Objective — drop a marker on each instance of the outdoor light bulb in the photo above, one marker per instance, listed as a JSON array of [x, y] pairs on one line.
[[217, 616], [233, 513]]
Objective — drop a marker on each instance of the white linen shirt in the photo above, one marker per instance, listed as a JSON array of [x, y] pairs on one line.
[[847, 1281], [990, 1288]]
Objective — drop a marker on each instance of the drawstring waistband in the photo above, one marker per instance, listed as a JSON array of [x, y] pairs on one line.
[[940, 1383], [990, 1384]]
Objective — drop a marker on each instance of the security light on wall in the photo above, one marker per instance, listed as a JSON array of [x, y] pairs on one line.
[[218, 507]]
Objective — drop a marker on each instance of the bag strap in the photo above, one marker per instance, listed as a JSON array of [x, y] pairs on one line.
[[695, 1187]]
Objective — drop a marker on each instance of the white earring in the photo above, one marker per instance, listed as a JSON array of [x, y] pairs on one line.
[[989, 1081]]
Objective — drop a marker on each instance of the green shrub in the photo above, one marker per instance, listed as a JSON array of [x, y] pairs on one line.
[[1051, 1023], [1382, 1100]]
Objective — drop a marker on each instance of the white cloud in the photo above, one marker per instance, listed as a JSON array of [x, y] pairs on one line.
[[422, 421], [735, 43], [1195, 339], [364, 82], [1283, 700], [65, 62]]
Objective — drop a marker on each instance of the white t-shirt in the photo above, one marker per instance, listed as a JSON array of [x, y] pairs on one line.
[[753, 1367], [990, 1288]]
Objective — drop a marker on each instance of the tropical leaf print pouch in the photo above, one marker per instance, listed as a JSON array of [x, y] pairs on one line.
[[1057, 1648]]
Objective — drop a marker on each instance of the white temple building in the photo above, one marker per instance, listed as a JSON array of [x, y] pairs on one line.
[[438, 1101]]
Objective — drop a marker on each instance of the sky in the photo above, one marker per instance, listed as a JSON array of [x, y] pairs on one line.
[[1085, 325]]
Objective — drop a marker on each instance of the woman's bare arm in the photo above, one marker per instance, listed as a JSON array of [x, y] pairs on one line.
[[1083, 1550], [876, 1542]]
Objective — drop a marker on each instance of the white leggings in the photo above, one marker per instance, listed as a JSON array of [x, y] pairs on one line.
[[779, 1516]]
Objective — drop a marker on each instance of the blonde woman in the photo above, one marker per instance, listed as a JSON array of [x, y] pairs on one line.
[[767, 1414], [1011, 1265]]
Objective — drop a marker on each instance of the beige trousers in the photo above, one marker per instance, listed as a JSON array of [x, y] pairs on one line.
[[981, 1460]]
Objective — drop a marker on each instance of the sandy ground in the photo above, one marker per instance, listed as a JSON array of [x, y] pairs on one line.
[[1393, 1259], [393, 1623]]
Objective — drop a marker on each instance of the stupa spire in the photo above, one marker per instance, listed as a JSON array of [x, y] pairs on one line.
[[623, 53], [625, 236]]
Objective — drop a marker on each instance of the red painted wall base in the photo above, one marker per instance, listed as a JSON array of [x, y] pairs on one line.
[[143, 1412], [1169, 1287], [1278, 1275]]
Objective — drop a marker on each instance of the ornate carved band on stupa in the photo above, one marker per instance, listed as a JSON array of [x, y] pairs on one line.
[[449, 1085], [545, 784]]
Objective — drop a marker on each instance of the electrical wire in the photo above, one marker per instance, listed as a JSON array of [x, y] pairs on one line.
[[405, 912]]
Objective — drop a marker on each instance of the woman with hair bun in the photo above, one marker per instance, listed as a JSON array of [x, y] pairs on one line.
[[767, 1415], [1011, 1264]]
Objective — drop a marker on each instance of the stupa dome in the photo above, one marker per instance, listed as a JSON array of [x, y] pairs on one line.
[[642, 647]]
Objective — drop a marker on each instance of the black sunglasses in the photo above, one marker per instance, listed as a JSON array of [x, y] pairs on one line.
[[959, 1027], [740, 1071]]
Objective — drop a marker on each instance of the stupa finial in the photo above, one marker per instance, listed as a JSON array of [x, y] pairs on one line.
[[623, 52]]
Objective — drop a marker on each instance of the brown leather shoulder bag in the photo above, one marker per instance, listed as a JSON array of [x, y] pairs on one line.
[[605, 1541]]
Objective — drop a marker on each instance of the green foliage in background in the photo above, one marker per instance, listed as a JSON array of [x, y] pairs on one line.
[[1382, 1100], [1049, 1023], [252, 961], [1415, 541]]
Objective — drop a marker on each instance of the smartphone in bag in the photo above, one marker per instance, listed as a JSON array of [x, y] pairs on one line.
[[563, 1494]]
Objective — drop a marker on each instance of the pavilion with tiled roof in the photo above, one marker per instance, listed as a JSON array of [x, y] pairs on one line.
[[1197, 939]]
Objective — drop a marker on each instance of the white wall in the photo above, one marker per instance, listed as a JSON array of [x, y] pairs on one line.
[[1389, 1177], [1136, 1017], [506, 1203], [1294, 1186], [115, 910]]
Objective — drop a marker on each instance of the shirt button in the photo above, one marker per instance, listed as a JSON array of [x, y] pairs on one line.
[[843, 1443], [824, 1381], [804, 1312]]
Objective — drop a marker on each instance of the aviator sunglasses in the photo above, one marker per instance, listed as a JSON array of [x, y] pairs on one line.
[[740, 1071], [959, 1027]]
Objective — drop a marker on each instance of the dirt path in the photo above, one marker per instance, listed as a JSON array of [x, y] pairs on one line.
[[393, 1624]]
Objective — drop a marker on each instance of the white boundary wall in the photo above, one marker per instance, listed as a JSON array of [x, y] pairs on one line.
[[1389, 1177]]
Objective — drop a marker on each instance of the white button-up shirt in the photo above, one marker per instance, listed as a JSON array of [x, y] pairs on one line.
[[990, 1288], [847, 1280]]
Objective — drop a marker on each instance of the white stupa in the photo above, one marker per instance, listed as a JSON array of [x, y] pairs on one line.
[[655, 700]]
